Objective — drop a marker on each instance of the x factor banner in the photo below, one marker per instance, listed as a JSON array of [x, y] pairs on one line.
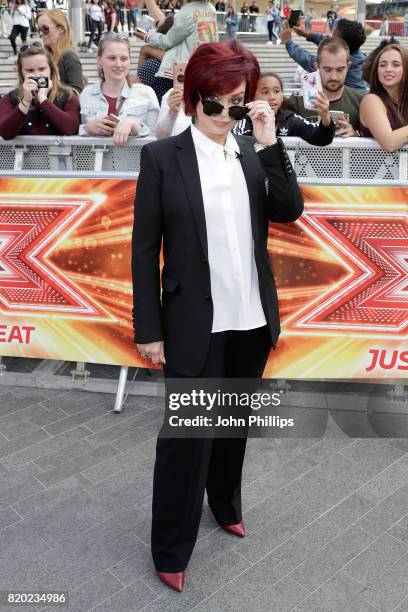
[[341, 270]]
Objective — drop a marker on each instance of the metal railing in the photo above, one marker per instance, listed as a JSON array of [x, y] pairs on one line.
[[126, 21], [352, 160]]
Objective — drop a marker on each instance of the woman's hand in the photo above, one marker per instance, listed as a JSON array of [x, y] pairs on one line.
[[286, 33], [100, 127], [43, 92], [263, 122], [321, 103], [153, 351], [123, 130], [174, 101], [30, 87]]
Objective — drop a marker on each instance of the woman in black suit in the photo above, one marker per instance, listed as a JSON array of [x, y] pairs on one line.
[[208, 196]]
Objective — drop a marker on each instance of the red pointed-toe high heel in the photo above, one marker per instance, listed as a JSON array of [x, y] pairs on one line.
[[174, 580], [238, 529]]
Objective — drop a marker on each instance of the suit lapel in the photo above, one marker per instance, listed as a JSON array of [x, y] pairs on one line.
[[187, 160]]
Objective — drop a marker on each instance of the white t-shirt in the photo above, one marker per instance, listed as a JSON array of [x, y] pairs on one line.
[[22, 16], [95, 12]]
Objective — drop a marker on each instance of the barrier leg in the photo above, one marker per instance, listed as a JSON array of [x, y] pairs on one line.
[[80, 372], [280, 384], [121, 389], [3, 368], [399, 392]]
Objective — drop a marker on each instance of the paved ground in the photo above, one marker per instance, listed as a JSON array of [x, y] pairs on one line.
[[327, 520]]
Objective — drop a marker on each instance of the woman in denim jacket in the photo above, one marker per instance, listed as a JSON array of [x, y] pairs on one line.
[[112, 106]]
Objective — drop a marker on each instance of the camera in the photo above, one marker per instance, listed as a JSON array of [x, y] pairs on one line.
[[41, 81]]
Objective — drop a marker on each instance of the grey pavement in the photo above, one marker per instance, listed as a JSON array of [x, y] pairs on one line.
[[326, 518]]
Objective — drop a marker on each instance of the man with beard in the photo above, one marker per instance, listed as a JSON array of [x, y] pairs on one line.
[[332, 63], [351, 32]]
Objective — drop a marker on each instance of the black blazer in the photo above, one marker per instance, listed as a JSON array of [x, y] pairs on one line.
[[169, 206]]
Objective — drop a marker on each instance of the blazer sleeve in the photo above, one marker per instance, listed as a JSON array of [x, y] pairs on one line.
[[285, 201], [146, 243]]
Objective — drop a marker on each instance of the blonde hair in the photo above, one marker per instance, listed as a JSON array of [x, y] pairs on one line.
[[57, 88], [106, 39], [65, 41]]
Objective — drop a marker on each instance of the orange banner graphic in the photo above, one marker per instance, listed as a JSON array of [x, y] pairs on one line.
[[341, 270]]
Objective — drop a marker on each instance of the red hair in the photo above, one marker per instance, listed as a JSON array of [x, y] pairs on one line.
[[218, 68]]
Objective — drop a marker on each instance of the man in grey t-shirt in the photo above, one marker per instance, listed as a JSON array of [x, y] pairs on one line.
[[332, 63]]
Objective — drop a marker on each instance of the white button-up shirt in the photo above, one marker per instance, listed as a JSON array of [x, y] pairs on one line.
[[234, 277]]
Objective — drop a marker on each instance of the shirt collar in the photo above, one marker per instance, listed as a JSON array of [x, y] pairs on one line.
[[209, 147], [96, 88]]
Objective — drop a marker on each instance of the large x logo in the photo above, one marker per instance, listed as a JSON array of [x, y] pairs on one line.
[[373, 296], [30, 230]]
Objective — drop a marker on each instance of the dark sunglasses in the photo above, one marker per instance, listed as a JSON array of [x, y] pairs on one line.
[[37, 44], [213, 109], [44, 29]]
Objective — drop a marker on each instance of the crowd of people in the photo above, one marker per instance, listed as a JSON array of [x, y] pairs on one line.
[[359, 95]]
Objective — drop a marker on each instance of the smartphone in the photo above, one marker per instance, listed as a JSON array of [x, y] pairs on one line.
[[294, 18], [311, 85], [178, 75], [335, 115], [145, 24], [113, 117]]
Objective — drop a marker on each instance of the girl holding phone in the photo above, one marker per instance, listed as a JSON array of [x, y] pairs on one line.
[[288, 123], [112, 106]]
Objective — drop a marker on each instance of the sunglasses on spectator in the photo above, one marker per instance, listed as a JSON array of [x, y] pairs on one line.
[[213, 109], [37, 44], [44, 29]]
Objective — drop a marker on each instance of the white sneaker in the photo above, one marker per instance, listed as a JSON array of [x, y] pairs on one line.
[[269, 43], [278, 41], [90, 50], [94, 47], [12, 58]]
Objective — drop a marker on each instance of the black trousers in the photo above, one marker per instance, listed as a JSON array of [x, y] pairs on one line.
[[186, 467], [95, 25], [17, 30], [270, 29]]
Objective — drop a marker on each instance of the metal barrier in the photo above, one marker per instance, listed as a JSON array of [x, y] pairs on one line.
[[354, 160]]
